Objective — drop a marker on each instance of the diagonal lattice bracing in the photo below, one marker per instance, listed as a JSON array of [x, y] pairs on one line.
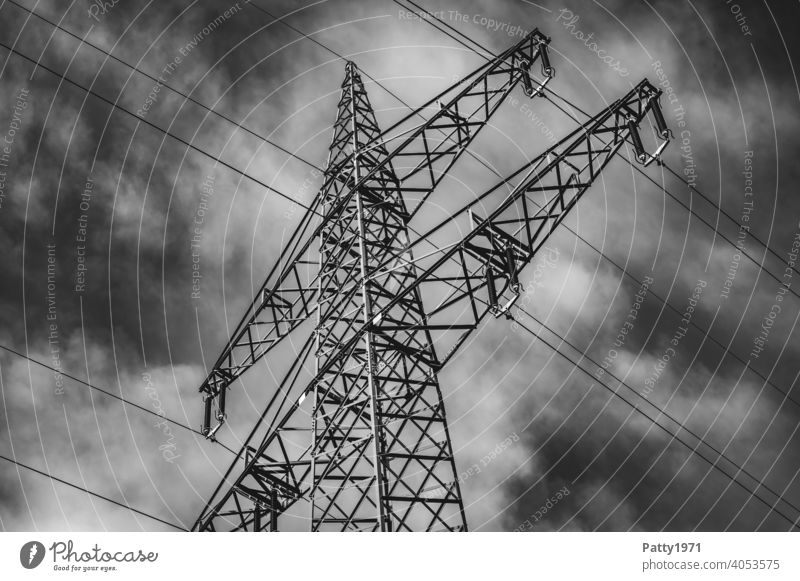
[[362, 472], [423, 146]]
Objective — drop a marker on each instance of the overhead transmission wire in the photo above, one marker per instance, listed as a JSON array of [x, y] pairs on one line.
[[546, 90], [693, 449], [188, 97], [216, 158], [244, 174], [109, 393], [140, 119], [188, 144], [92, 493], [681, 426], [760, 482], [700, 440], [625, 272], [683, 205], [309, 209]]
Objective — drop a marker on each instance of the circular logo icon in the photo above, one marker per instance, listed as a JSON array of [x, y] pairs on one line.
[[31, 554]]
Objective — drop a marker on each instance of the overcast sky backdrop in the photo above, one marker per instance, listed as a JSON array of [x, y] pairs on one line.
[[99, 281]]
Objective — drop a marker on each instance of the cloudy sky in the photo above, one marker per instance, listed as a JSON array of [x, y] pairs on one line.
[[99, 207]]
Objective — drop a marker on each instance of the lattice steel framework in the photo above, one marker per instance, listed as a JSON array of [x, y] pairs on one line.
[[429, 141], [378, 455]]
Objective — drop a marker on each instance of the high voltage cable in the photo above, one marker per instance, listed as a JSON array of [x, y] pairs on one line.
[[430, 19], [681, 425], [713, 464], [173, 89], [683, 205], [584, 240], [109, 393], [726, 350], [657, 408], [661, 412], [312, 165], [700, 440], [391, 93], [188, 144], [92, 493]]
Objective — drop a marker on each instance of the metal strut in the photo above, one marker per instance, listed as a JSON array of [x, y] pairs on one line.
[[424, 154], [358, 424]]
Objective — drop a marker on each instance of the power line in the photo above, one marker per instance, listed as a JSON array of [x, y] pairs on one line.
[[687, 208], [694, 189], [139, 119], [713, 464], [583, 355], [109, 393], [188, 97], [96, 494], [430, 20], [681, 425], [281, 194], [625, 272], [660, 411]]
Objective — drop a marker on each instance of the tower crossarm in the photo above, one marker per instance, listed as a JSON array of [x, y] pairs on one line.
[[477, 273], [424, 145], [482, 248]]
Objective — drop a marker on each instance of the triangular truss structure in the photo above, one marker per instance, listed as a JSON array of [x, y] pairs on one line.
[[364, 443]]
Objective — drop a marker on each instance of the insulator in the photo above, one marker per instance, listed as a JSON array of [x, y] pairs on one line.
[[661, 124], [221, 405], [513, 276], [637, 141], [207, 416], [256, 518], [524, 66], [490, 287], [547, 68]]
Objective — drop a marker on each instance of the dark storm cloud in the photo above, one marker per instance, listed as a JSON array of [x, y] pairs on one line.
[[137, 315]]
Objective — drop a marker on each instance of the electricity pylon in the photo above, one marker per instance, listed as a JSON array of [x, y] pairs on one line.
[[377, 454]]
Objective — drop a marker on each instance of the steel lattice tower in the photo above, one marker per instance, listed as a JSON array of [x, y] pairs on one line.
[[378, 455], [380, 440]]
